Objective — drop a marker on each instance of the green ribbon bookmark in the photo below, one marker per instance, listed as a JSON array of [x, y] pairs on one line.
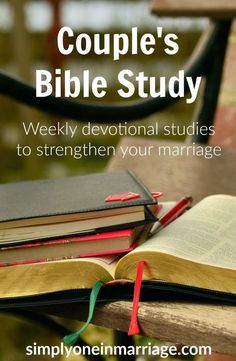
[[73, 337]]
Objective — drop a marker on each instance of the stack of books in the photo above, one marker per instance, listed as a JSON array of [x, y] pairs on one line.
[[67, 234], [83, 216]]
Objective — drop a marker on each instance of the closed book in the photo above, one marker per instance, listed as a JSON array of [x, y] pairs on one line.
[[98, 244], [52, 208]]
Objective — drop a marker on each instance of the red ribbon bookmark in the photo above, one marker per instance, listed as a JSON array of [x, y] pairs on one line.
[[134, 328]]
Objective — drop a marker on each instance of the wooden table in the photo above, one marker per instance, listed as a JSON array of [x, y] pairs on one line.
[[182, 323]]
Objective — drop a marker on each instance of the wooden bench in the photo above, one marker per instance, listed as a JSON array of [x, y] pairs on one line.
[[182, 323]]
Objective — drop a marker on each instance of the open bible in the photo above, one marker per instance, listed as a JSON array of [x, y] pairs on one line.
[[198, 249]]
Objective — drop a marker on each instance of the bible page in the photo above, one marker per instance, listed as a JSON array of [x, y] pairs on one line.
[[204, 234]]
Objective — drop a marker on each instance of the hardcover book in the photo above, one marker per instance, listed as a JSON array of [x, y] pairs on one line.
[[64, 248], [74, 205]]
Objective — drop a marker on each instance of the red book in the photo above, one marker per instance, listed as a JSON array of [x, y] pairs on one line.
[[100, 244], [95, 245]]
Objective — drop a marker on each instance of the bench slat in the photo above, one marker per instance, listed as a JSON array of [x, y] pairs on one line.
[[189, 324], [214, 9]]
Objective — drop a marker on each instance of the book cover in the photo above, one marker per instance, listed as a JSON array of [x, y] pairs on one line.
[[71, 195]]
